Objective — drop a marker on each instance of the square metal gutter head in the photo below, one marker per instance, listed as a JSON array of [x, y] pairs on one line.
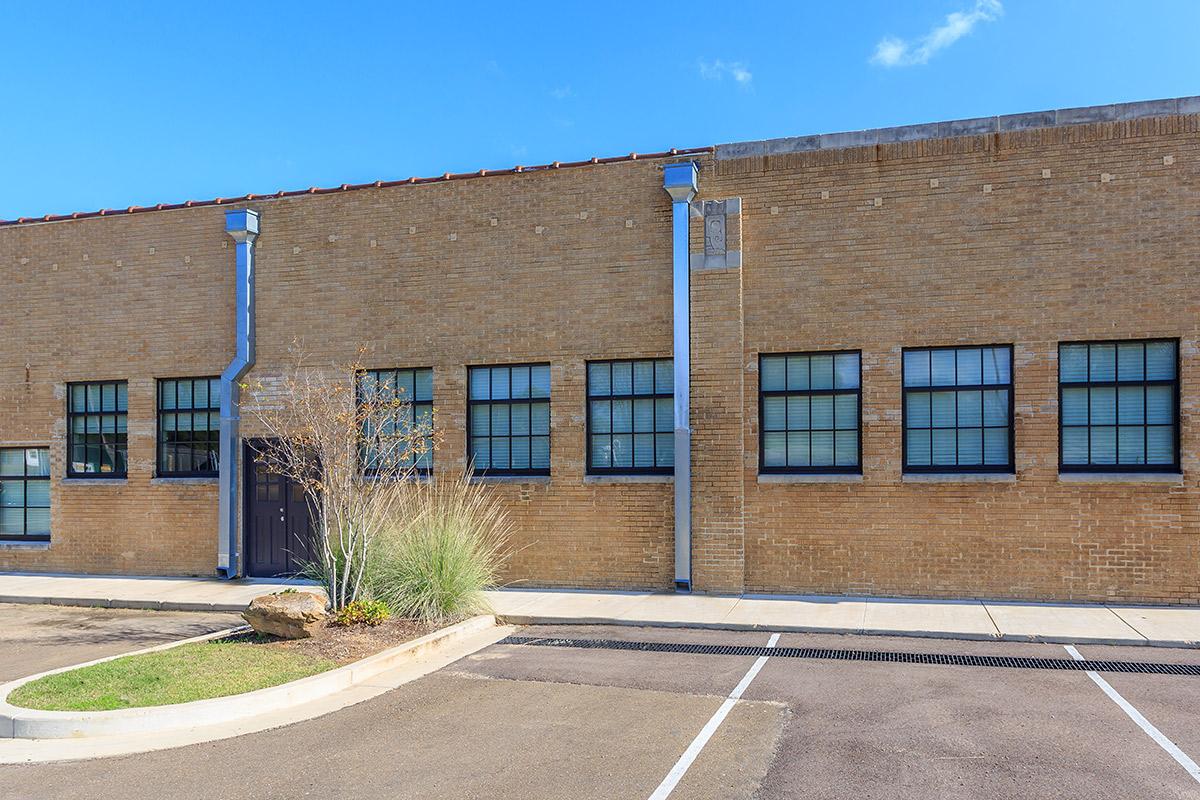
[[680, 181], [241, 224]]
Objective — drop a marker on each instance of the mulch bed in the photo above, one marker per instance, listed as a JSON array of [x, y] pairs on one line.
[[347, 644]]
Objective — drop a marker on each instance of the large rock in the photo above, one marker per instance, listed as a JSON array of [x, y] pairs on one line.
[[288, 615]]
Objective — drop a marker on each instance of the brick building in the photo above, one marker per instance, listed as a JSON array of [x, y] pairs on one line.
[[941, 360]]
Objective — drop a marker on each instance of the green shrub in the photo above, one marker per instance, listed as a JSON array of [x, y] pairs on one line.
[[435, 556], [362, 612]]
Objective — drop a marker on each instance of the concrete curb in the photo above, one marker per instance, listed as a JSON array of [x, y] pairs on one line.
[[26, 723], [534, 619], [104, 602]]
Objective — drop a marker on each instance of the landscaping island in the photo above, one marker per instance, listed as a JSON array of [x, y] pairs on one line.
[[243, 662]]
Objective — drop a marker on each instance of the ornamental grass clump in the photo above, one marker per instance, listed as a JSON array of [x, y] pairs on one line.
[[442, 546]]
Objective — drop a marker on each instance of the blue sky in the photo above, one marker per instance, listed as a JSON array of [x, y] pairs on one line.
[[110, 105]]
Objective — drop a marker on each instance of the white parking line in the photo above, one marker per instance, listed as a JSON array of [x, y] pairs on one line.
[[1154, 733], [685, 761]]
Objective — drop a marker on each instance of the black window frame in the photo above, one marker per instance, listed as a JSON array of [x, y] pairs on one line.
[[160, 412], [632, 396], [71, 415], [25, 478], [1176, 467], [956, 469], [414, 404], [509, 471], [833, 469]]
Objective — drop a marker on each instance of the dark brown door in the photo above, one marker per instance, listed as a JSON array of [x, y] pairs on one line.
[[278, 524]]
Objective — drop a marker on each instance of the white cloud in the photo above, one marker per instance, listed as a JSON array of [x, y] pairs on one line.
[[892, 51], [562, 92], [719, 70]]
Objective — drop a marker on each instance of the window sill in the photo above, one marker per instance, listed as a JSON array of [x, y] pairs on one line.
[[958, 477], [24, 545], [1162, 478], [94, 481], [806, 477], [510, 479], [612, 479], [197, 481]]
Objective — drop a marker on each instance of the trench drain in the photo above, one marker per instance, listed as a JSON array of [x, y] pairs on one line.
[[941, 659]]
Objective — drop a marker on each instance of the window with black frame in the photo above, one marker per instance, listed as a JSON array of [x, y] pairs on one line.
[[1119, 406], [631, 417], [189, 427], [97, 431], [809, 412], [508, 419], [25, 494], [412, 391], [958, 409]]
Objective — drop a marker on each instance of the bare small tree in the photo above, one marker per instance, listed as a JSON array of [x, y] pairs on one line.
[[349, 440]]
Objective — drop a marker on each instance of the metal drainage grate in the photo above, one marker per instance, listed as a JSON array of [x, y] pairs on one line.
[[945, 659]]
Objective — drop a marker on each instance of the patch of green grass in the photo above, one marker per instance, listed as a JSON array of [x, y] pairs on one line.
[[195, 671]]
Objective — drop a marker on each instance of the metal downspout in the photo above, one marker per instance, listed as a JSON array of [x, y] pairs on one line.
[[242, 226], [680, 180]]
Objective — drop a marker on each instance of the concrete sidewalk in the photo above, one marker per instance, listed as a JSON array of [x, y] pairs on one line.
[[955, 619], [164, 594]]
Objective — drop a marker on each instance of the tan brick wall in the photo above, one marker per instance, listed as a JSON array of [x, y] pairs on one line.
[[569, 265], [134, 298], [576, 266], [1032, 261]]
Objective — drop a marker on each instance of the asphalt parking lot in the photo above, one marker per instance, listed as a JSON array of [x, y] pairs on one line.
[[35, 638], [538, 721]]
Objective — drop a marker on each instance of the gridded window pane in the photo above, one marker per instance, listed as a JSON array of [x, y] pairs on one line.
[[942, 368], [963, 420], [995, 446], [970, 366], [820, 372], [12, 462], [189, 425], [810, 412], [821, 443], [772, 373], [1160, 361], [1073, 362], [539, 381], [775, 449], [1102, 362], [519, 385], [1119, 408], [25, 494], [798, 372], [997, 365], [631, 415], [799, 448], [1131, 361], [1131, 444], [411, 425], [509, 431], [916, 368], [917, 449], [664, 449], [1160, 444], [1075, 445], [664, 376], [1104, 444], [600, 377], [846, 371], [97, 433]]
